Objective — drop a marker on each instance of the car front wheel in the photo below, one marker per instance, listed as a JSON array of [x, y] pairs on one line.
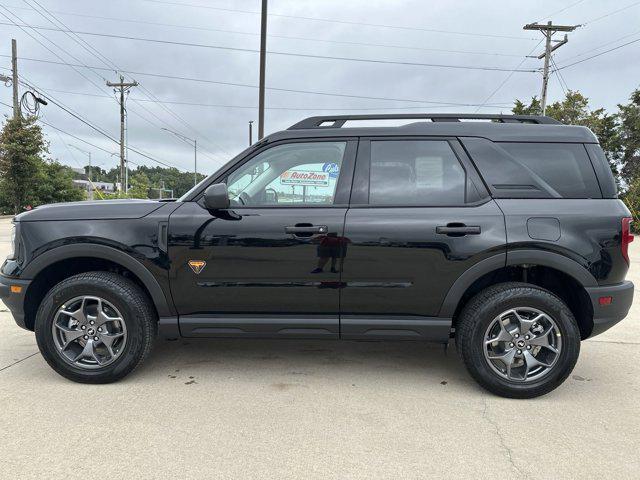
[[95, 327]]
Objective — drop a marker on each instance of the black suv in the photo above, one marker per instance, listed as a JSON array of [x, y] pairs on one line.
[[502, 232]]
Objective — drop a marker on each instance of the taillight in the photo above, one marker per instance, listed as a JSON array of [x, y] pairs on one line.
[[627, 237]]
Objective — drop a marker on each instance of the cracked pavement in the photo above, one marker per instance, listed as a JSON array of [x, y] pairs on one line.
[[317, 409]]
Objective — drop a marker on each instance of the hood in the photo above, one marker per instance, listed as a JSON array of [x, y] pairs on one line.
[[96, 210]]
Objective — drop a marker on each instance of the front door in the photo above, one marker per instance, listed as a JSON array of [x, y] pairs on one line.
[[270, 265], [419, 218]]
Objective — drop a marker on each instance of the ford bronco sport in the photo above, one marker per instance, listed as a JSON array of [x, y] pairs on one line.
[[501, 232]]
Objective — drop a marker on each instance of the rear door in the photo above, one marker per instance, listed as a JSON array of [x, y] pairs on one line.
[[419, 218]]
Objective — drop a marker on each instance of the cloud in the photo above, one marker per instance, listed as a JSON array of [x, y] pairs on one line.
[[223, 131]]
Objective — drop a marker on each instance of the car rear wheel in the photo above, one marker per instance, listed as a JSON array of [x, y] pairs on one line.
[[518, 340], [95, 327]]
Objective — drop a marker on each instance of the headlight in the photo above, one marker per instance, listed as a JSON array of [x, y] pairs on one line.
[[12, 242]]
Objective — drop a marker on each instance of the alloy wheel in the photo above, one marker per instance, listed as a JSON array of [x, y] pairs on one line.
[[89, 332], [522, 344]]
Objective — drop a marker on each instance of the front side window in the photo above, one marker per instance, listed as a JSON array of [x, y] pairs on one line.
[[415, 172], [296, 174]]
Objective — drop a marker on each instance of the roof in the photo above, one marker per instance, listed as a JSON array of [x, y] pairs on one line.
[[497, 128]]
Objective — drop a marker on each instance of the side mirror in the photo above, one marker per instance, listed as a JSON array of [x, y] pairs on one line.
[[216, 197]]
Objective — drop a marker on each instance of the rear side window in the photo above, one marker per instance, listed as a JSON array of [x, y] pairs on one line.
[[415, 172], [535, 170], [603, 170]]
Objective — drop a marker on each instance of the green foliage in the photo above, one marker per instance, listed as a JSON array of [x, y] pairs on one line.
[[629, 127], [22, 148], [174, 179], [27, 177], [534, 107], [139, 186], [55, 184]]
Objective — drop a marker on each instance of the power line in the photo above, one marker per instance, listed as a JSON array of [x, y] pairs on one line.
[[215, 105], [287, 37], [506, 79], [244, 85], [345, 22], [80, 139], [94, 52], [45, 46], [562, 67], [593, 20], [560, 11], [91, 125], [82, 64], [289, 54], [601, 46], [559, 76]]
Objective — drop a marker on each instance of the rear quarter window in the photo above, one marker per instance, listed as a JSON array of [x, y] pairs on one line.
[[535, 170]]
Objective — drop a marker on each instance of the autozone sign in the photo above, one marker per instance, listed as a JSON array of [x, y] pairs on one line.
[[303, 177]]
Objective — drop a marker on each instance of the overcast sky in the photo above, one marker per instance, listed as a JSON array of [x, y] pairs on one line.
[[486, 35]]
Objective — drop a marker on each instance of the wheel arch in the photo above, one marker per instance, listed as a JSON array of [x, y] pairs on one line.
[[561, 275], [62, 262]]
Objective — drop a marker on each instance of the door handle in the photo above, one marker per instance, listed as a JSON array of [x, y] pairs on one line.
[[457, 230], [306, 229]]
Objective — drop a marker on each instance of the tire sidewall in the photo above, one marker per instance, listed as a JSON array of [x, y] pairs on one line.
[[132, 318], [533, 298]]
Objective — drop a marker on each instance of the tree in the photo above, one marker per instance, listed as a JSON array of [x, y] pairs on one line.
[[56, 184], [139, 186], [22, 148], [534, 107], [629, 133]]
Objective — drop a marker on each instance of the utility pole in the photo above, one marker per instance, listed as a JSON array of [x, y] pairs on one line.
[[250, 132], [123, 87], [14, 79], [548, 30], [263, 55]]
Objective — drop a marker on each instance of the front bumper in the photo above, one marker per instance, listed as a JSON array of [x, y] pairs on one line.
[[606, 316], [14, 300]]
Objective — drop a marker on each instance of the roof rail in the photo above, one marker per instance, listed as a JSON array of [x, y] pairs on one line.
[[337, 121]]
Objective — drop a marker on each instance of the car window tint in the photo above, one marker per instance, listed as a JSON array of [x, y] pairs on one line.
[[565, 167], [415, 172], [292, 174]]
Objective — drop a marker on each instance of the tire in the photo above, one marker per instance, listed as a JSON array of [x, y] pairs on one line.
[[128, 325], [473, 340]]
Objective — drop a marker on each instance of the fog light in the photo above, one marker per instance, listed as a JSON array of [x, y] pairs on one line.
[[16, 289], [605, 300]]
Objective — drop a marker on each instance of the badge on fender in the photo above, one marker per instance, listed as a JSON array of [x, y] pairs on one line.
[[197, 266]]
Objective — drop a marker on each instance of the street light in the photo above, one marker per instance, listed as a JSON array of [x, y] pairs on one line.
[[195, 152], [90, 182]]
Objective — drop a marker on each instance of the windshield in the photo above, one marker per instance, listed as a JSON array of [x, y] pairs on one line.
[[195, 188], [192, 189]]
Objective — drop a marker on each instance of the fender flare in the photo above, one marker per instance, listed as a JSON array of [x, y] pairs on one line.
[[554, 260], [517, 257], [464, 281], [34, 267]]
